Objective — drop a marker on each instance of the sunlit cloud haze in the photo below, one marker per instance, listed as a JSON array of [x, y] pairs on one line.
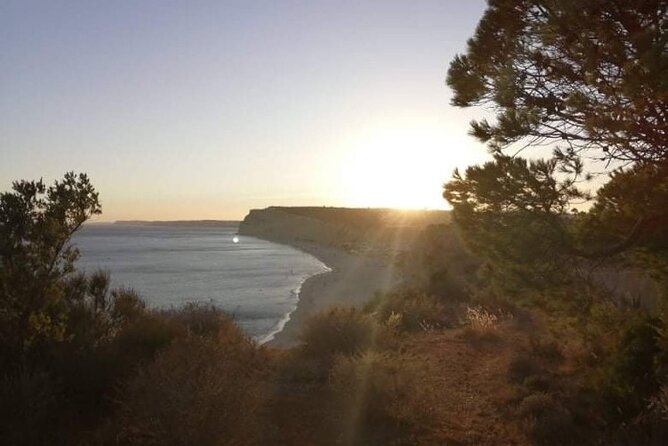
[[189, 110]]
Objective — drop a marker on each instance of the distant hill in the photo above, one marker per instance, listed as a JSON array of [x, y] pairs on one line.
[[226, 223]]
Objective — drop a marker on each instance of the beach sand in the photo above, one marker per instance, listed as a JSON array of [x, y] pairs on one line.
[[353, 281]]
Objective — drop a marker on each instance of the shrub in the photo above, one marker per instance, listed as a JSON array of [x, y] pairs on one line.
[[481, 325], [536, 405], [481, 320], [27, 402], [128, 305], [539, 383], [549, 423], [412, 311], [338, 331], [201, 390], [547, 350], [139, 342], [633, 375], [555, 428], [381, 393], [202, 319], [451, 286], [522, 367]]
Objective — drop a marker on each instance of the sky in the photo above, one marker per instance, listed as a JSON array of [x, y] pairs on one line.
[[206, 109]]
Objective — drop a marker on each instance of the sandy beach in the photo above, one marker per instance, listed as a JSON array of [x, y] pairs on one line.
[[353, 280]]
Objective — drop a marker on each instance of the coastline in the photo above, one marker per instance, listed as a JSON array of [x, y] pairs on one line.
[[352, 279]]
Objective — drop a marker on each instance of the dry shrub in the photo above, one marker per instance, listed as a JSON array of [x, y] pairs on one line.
[[201, 390], [482, 324], [536, 405], [142, 339], [539, 383], [339, 331], [201, 319], [382, 393], [548, 422], [481, 320], [411, 311], [522, 367], [547, 350]]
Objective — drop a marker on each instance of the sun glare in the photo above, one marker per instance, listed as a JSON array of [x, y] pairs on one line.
[[400, 168]]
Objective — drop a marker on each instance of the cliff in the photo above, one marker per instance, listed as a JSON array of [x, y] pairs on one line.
[[348, 228]]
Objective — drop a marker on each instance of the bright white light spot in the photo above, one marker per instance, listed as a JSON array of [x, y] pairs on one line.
[[235, 239]]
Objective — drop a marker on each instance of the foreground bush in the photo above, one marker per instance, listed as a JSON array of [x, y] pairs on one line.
[[548, 422], [413, 311], [200, 391], [381, 395], [339, 331]]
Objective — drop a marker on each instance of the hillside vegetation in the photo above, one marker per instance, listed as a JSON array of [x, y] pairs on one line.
[[504, 329]]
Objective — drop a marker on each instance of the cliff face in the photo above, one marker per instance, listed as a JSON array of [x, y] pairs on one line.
[[282, 226], [352, 229]]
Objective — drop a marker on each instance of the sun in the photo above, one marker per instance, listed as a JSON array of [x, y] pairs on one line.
[[399, 168]]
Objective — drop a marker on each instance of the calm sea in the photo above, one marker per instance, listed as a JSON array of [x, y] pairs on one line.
[[255, 280]]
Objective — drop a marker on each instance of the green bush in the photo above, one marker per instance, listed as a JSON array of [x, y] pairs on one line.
[[416, 311], [339, 331], [633, 376]]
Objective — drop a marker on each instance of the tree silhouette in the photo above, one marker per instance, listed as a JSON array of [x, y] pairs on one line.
[[591, 76]]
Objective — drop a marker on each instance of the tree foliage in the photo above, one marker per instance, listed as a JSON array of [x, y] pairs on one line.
[[589, 79], [511, 212], [590, 75], [36, 223], [515, 214]]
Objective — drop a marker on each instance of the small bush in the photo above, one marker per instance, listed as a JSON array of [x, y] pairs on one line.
[[412, 311], [481, 325], [535, 405], [547, 350], [339, 331], [127, 305], [201, 390], [555, 428], [481, 320], [381, 390], [539, 383], [633, 376], [549, 423], [522, 367]]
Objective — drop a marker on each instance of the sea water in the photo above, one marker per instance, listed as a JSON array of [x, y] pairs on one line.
[[256, 281]]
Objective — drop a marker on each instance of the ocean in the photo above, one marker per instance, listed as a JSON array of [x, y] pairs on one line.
[[255, 280]]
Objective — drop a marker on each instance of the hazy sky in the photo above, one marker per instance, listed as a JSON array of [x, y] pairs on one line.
[[205, 109]]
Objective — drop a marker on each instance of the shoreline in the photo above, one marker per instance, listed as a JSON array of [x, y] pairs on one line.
[[352, 279], [285, 319]]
